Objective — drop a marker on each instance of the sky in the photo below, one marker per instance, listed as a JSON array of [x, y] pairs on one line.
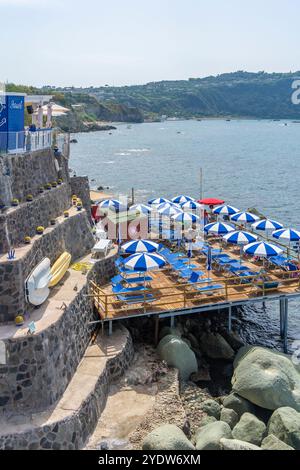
[[125, 42]]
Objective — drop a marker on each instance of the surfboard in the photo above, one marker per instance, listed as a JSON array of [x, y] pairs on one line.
[[60, 268]]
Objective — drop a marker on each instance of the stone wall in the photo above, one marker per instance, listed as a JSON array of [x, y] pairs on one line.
[[23, 220], [40, 367], [72, 433], [80, 187], [72, 235], [23, 174]]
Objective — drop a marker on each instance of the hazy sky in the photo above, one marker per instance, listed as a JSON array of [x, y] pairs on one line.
[[97, 42]]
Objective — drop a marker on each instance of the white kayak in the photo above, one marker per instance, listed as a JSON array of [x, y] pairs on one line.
[[36, 285]]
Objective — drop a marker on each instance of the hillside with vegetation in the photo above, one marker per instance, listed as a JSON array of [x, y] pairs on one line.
[[240, 94], [87, 113]]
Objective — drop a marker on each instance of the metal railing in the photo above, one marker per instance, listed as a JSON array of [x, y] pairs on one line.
[[25, 141], [182, 295]]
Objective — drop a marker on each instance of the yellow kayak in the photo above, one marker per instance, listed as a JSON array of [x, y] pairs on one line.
[[60, 268]]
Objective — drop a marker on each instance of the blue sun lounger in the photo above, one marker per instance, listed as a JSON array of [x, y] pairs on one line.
[[195, 277], [137, 280], [210, 288], [279, 261], [135, 299], [119, 289]]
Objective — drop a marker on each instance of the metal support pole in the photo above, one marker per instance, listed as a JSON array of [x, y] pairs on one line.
[[230, 319], [110, 328], [281, 310], [156, 332], [285, 331], [172, 322]]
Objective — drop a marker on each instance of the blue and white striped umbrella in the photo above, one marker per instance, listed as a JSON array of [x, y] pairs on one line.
[[267, 224], [182, 199], [169, 210], [142, 262], [219, 228], [287, 234], [190, 206], [112, 204], [246, 217], [141, 209], [156, 202], [186, 218], [140, 246], [225, 210], [240, 238], [262, 249]]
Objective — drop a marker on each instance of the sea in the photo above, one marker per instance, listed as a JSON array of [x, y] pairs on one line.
[[248, 163]]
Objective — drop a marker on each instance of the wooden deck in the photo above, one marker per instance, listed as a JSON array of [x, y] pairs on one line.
[[173, 295]]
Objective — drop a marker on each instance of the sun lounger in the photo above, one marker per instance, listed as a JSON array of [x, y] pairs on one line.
[[267, 285], [119, 289], [137, 280], [117, 280], [185, 273], [278, 261], [210, 289], [135, 299]]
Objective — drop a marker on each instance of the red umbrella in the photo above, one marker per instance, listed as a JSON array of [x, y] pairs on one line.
[[211, 202]]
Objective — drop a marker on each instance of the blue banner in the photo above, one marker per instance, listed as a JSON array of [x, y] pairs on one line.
[[11, 122]]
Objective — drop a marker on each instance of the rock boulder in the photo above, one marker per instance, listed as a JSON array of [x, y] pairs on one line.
[[167, 437], [176, 353], [208, 437], [249, 429], [266, 378], [285, 425], [213, 345]]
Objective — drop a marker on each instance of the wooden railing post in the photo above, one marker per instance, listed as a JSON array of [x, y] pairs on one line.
[[184, 296], [226, 289]]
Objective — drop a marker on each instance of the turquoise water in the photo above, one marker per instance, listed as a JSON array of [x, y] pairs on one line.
[[247, 163]]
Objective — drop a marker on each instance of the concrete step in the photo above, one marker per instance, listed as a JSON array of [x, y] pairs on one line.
[[69, 423]]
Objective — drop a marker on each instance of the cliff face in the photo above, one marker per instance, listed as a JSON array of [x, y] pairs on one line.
[[87, 111]]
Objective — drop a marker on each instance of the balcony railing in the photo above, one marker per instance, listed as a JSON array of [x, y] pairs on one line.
[[25, 141]]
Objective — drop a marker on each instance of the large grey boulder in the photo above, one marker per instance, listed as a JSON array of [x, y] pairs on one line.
[[235, 444], [212, 408], [167, 437], [206, 420], [238, 404], [229, 416], [213, 345], [176, 353], [249, 429], [285, 425], [208, 437], [169, 330], [266, 378], [272, 442]]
